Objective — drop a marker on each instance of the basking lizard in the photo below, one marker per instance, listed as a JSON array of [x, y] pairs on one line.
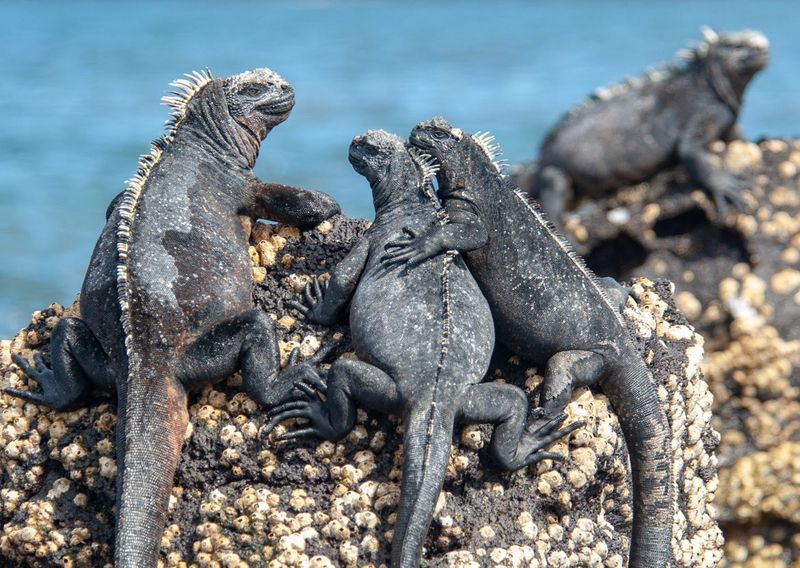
[[550, 309], [424, 338], [167, 302], [627, 133]]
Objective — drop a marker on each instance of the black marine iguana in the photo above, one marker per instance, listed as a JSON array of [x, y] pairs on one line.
[[167, 300], [625, 134], [550, 309], [424, 338]]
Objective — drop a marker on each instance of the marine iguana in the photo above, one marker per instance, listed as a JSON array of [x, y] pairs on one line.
[[625, 134], [167, 301], [550, 309], [424, 337]]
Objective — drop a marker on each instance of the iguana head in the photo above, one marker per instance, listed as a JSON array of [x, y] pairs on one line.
[[441, 140], [259, 100], [376, 153], [456, 151], [385, 160], [742, 53]]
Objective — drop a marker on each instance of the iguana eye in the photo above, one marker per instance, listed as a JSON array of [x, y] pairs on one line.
[[252, 90], [439, 134]]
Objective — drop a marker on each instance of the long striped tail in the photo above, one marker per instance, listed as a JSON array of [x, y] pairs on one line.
[[426, 450], [634, 395], [152, 421]]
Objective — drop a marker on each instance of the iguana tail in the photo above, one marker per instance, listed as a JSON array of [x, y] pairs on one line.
[[634, 395], [426, 450], [152, 420]]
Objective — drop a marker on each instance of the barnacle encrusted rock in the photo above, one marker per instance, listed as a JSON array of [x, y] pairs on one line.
[[738, 282], [240, 500]]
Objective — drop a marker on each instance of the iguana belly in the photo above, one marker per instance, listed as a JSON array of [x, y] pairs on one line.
[[404, 320]]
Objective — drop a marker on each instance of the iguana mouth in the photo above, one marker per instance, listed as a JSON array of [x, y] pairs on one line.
[[357, 160], [281, 106]]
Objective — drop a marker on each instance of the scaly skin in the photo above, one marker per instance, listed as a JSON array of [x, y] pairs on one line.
[[166, 303], [424, 338], [629, 132], [551, 310]]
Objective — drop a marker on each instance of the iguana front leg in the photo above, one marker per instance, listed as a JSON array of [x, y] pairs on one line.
[[287, 204], [465, 232], [701, 130], [79, 363], [327, 306]]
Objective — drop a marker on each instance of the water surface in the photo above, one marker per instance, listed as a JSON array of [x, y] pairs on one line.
[[81, 82]]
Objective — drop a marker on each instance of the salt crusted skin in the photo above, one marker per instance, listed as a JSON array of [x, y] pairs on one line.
[[424, 337], [166, 303], [738, 284], [238, 503], [549, 309], [626, 133]]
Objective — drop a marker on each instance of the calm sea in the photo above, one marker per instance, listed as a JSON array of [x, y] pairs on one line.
[[80, 87]]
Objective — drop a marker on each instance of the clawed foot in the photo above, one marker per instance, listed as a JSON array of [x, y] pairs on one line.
[[51, 392], [308, 385], [727, 191], [410, 250], [313, 295], [540, 433]]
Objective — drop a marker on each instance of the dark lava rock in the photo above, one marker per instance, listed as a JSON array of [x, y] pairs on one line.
[[240, 500]]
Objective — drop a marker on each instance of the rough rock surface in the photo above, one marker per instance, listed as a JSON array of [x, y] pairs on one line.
[[240, 501], [738, 282]]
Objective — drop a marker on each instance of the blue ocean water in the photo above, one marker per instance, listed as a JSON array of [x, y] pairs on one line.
[[81, 82]]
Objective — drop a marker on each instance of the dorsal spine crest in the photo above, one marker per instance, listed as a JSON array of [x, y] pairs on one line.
[[486, 142], [429, 168], [178, 101]]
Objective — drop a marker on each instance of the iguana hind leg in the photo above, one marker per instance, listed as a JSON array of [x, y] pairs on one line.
[[79, 363], [515, 443], [350, 383], [565, 371], [246, 342]]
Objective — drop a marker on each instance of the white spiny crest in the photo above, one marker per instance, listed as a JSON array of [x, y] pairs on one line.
[[185, 90], [178, 101], [698, 50], [709, 35], [426, 163], [486, 141], [429, 168]]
